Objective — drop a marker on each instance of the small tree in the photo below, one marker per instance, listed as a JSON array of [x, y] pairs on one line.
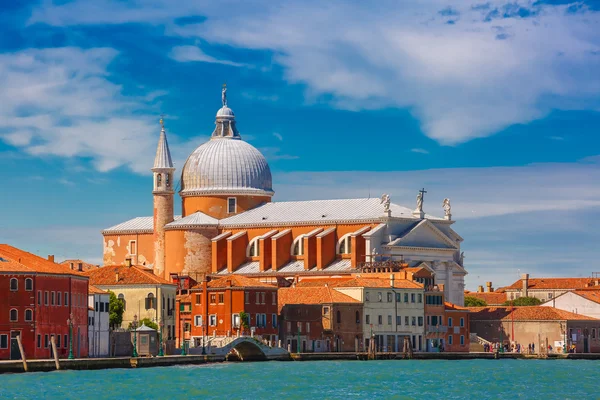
[[145, 321], [115, 310], [471, 301], [244, 319], [523, 301]]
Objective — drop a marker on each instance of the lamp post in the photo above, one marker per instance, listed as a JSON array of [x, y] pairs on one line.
[[134, 325], [160, 339], [70, 322], [565, 338], [501, 349], [203, 334]]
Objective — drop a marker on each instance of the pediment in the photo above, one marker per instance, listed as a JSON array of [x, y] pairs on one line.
[[423, 234]]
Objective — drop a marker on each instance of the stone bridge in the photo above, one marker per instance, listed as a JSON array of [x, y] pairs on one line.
[[243, 348]]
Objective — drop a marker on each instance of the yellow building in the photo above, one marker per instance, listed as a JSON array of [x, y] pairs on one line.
[[144, 294]]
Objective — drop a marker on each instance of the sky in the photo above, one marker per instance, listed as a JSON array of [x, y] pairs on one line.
[[495, 105]]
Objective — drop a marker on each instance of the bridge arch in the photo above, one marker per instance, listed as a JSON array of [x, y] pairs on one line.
[[246, 350]]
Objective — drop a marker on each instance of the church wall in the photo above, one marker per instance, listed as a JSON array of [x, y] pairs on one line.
[[236, 252], [326, 245], [310, 252], [216, 206], [219, 254], [117, 249], [175, 252], [358, 251], [266, 257], [189, 252], [281, 250]]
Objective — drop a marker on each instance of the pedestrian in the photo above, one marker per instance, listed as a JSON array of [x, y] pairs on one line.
[[533, 348]]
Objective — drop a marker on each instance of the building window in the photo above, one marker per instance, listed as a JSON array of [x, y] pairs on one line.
[[39, 340], [406, 297], [357, 317], [449, 339], [593, 333], [198, 320], [338, 316], [380, 319], [420, 321], [298, 246], [308, 327], [253, 248], [66, 302], [549, 296], [58, 341], [389, 319], [221, 298], [414, 321], [212, 320], [462, 340], [366, 296], [412, 297], [289, 327], [398, 320], [58, 299], [406, 321], [325, 310], [106, 304], [3, 341], [257, 298], [122, 298], [39, 297], [46, 340], [389, 297], [231, 205], [14, 284], [274, 298], [462, 322], [449, 321], [213, 299], [345, 245], [132, 248], [247, 297], [150, 301], [398, 298], [65, 342], [28, 315], [52, 298], [274, 320], [420, 298], [14, 315], [29, 284], [367, 319], [379, 297]]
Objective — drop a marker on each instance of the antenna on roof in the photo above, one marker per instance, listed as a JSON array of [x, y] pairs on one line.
[[369, 191]]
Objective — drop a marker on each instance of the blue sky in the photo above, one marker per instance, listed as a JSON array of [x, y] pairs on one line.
[[493, 104]]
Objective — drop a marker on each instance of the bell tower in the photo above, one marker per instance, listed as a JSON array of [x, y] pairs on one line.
[[163, 198]]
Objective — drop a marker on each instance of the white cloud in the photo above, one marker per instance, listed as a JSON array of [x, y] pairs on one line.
[[61, 102], [420, 151], [467, 71], [193, 53], [278, 136]]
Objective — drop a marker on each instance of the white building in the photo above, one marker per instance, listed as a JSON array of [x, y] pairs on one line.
[[393, 309], [583, 302], [98, 322]]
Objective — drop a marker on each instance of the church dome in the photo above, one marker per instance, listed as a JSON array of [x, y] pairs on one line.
[[226, 164]]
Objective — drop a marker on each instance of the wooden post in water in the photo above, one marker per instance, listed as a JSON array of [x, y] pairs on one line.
[[53, 344], [22, 353]]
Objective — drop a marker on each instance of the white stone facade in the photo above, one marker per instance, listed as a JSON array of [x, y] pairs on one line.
[[98, 325]]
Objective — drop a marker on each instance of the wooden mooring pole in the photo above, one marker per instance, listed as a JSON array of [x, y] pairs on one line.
[[54, 352], [22, 353]]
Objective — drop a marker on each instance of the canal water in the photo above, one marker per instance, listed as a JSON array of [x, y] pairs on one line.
[[468, 379]]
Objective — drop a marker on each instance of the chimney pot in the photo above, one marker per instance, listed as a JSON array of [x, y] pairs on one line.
[[525, 279], [72, 266], [489, 286], [480, 289], [117, 277], [51, 257], [128, 262]]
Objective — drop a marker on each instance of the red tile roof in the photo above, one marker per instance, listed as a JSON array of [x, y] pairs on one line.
[[134, 275], [94, 290], [17, 260], [453, 307], [379, 283], [311, 295], [321, 282], [525, 313], [85, 266], [553, 283], [593, 295], [237, 281], [491, 298]]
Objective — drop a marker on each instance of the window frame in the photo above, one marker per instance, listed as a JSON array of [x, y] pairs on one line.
[[462, 322], [30, 282], [299, 241], [229, 199], [15, 287], [10, 315], [450, 340], [5, 337], [196, 319], [31, 315], [212, 320]]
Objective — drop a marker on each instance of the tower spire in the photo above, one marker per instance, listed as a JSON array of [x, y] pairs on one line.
[[163, 154]]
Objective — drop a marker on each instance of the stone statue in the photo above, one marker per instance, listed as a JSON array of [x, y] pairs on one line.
[[461, 258], [385, 200], [447, 207], [420, 201], [224, 96]]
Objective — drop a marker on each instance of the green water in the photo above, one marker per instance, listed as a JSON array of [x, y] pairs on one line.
[[469, 379]]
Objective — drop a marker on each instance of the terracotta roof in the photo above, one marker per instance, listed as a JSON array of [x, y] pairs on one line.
[[85, 266], [17, 260], [491, 298], [134, 275], [316, 282], [311, 295], [94, 290], [454, 307], [553, 283], [526, 313], [237, 281], [379, 283], [592, 295]]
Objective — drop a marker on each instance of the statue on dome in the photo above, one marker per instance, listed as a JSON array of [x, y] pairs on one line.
[[420, 200], [385, 200], [224, 95], [447, 208]]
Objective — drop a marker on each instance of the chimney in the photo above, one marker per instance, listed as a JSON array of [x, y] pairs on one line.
[[489, 286], [128, 262], [525, 280], [480, 289], [72, 266], [80, 267], [51, 257], [117, 275], [391, 280]]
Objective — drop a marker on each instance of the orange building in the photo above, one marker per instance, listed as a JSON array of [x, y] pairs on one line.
[[230, 226], [215, 309]]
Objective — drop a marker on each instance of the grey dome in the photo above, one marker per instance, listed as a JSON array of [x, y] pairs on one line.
[[226, 164]]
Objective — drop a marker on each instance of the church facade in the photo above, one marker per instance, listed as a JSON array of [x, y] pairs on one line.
[[230, 225]]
